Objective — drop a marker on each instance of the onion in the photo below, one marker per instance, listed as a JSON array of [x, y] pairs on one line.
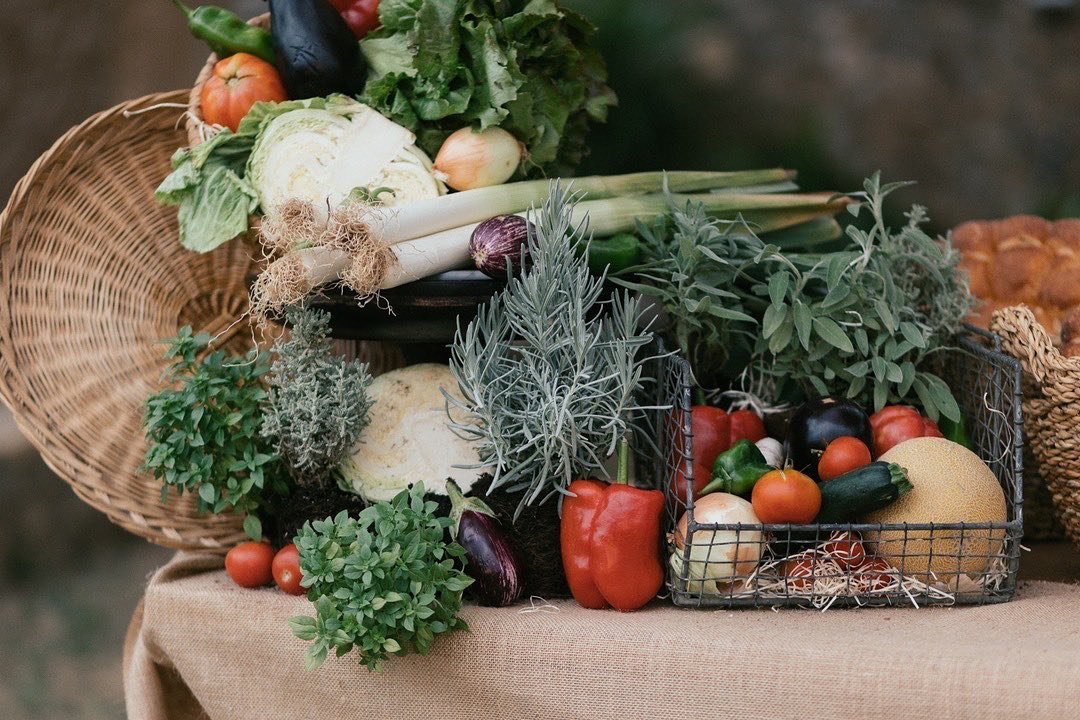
[[718, 556], [469, 159], [500, 241]]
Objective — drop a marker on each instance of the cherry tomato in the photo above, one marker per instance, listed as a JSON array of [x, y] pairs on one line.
[[843, 454], [845, 549], [894, 424], [362, 16], [875, 575], [745, 425], [236, 83], [248, 564], [799, 574], [286, 569], [786, 496]]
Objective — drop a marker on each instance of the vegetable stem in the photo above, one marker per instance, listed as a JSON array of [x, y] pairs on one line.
[[622, 473]]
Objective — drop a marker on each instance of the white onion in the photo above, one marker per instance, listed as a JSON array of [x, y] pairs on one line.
[[715, 556], [469, 159]]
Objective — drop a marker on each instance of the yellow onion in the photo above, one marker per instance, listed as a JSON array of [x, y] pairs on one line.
[[470, 159], [718, 555]]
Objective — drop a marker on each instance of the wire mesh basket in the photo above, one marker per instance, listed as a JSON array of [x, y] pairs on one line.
[[824, 565]]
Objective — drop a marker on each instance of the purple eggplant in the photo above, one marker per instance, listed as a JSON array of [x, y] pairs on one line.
[[500, 241], [492, 560]]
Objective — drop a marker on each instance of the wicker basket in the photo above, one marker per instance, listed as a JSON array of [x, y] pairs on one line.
[[1051, 408], [91, 278], [197, 130]]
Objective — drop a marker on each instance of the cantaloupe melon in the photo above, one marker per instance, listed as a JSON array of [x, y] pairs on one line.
[[951, 485]]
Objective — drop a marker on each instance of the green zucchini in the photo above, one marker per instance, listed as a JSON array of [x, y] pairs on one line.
[[855, 493]]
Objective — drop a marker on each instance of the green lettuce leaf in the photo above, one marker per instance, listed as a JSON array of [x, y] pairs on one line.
[[209, 183], [526, 66]]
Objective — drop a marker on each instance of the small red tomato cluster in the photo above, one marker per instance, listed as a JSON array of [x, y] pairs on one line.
[[255, 564]]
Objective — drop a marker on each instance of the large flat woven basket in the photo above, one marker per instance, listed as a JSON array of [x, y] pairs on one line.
[[1051, 408], [91, 278]]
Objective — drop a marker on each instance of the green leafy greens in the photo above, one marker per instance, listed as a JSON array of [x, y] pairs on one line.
[[524, 65], [204, 431], [385, 583], [318, 402], [860, 322], [549, 372]]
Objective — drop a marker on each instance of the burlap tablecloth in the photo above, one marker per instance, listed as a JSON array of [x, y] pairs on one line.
[[201, 647]]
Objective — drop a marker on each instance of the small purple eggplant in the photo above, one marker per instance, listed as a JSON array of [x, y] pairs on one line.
[[496, 241], [493, 561]]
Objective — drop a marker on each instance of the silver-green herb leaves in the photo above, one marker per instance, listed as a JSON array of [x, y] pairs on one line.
[[549, 371], [318, 401]]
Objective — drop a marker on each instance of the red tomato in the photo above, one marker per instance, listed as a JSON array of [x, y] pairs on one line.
[[894, 424], [786, 496], [362, 16], [746, 425], [875, 576], [799, 574], [930, 428], [286, 569], [248, 564], [845, 549], [236, 83], [841, 455]]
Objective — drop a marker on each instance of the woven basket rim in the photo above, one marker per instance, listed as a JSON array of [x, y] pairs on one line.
[[91, 481]]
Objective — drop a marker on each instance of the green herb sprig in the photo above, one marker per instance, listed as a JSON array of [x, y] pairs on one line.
[[385, 583], [549, 373], [862, 322], [204, 431], [318, 401]]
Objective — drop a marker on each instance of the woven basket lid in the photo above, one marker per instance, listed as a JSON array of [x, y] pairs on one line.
[[92, 277]]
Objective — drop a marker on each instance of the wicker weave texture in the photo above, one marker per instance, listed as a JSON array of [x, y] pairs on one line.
[[91, 278], [1051, 408]]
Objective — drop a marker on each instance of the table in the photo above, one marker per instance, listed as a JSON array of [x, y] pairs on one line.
[[201, 647]]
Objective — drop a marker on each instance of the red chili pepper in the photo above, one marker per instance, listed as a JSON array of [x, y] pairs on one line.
[[894, 424], [610, 538], [362, 16]]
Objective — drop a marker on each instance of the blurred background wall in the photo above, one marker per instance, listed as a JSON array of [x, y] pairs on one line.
[[978, 100]]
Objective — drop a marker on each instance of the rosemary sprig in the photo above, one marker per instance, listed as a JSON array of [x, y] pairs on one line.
[[549, 372]]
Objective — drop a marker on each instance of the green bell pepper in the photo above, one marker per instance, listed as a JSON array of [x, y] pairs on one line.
[[615, 253], [737, 469]]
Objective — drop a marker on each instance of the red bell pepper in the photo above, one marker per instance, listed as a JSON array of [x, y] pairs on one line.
[[610, 541], [894, 424], [362, 16], [714, 431]]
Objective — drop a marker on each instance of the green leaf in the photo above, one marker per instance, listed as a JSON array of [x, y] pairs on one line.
[[912, 334], [778, 287], [775, 315], [829, 331], [253, 527], [207, 492], [803, 323]]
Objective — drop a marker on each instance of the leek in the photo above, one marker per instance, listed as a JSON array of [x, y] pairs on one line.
[[425, 217]]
